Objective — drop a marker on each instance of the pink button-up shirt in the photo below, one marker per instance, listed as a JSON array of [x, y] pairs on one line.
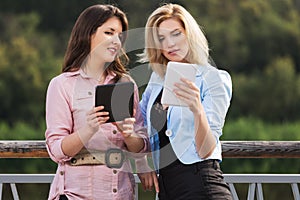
[[70, 95]]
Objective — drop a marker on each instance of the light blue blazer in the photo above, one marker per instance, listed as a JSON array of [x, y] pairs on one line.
[[215, 94]]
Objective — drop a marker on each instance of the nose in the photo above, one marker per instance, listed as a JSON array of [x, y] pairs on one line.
[[169, 42], [116, 40]]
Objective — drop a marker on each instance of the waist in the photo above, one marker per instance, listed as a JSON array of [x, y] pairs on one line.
[[176, 166], [112, 158]]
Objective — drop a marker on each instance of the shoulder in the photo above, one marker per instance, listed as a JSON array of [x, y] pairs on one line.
[[210, 73], [126, 78], [65, 76], [154, 82], [155, 78], [63, 80]]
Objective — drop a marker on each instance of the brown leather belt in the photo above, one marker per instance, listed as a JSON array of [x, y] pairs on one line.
[[112, 158]]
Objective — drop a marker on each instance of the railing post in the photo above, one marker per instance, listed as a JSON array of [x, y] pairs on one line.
[[233, 191], [136, 191], [14, 191], [295, 191], [259, 193], [1, 185], [251, 191]]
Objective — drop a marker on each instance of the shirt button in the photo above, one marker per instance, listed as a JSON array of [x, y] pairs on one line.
[[115, 171], [61, 173], [168, 133], [73, 160], [90, 93], [114, 190], [114, 131]]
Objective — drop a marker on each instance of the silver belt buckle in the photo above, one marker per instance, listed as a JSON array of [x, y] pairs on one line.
[[114, 158]]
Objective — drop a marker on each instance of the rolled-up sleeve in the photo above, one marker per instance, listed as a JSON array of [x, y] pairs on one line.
[[217, 92], [58, 118]]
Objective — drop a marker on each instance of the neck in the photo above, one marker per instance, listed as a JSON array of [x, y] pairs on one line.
[[97, 71]]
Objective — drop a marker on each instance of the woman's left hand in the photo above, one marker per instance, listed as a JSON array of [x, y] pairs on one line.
[[189, 93], [126, 127]]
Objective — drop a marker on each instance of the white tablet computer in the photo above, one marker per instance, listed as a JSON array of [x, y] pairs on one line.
[[176, 70]]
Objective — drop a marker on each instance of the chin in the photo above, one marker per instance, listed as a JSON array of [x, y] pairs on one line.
[[177, 59], [110, 60]]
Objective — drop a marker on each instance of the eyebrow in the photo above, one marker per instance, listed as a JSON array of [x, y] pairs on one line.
[[177, 29], [112, 29]]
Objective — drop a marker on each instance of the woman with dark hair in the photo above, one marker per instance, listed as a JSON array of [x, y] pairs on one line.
[[78, 138]]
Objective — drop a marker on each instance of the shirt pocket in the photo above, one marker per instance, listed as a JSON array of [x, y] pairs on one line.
[[84, 100]]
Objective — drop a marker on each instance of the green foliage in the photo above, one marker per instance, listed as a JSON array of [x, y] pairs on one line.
[[257, 41], [272, 95], [21, 131], [255, 129], [27, 64], [246, 35]]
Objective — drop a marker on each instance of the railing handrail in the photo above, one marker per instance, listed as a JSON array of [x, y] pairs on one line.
[[229, 178], [230, 149]]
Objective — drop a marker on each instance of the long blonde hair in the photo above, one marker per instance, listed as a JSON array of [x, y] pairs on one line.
[[198, 45]]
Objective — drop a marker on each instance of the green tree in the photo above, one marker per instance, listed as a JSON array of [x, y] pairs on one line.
[[272, 95], [245, 35], [27, 64]]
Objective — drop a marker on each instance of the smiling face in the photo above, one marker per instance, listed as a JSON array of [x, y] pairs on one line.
[[173, 40], [105, 42]]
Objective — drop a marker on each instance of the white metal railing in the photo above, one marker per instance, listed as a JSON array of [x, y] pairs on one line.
[[230, 149], [255, 182]]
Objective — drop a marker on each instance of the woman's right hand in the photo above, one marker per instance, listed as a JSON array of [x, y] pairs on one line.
[[96, 117], [149, 180]]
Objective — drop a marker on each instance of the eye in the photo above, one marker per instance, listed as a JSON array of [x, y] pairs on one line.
[[160, 38], [108, 33], [177, 33]]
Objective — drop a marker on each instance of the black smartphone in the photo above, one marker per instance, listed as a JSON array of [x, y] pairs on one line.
[[117, 99]]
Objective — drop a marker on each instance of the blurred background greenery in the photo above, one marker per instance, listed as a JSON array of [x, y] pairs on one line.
[[257, 41]]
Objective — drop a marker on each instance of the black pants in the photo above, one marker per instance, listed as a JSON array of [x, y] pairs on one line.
[[63, 197], [198, 181]]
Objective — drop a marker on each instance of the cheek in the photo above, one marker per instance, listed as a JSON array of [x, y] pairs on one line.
[[94, 43], [99, 40], [183, 42], [185, 46], [165, 53]]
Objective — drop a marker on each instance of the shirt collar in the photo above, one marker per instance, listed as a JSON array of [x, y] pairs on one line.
[[110, 75]]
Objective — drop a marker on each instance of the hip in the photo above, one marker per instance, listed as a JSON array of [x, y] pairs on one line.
[[201, 180]]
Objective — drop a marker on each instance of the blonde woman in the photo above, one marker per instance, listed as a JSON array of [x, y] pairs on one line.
[[184, 140]]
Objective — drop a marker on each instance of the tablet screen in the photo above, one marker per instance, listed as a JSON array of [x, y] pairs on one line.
[[117, 99]]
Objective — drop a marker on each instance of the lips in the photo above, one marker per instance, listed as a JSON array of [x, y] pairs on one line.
[[173, 52], [112, 50]]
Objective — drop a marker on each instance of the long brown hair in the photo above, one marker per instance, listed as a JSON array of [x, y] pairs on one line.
[[79, 45]]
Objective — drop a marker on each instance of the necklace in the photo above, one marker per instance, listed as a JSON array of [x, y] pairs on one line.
[[101, 78]]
